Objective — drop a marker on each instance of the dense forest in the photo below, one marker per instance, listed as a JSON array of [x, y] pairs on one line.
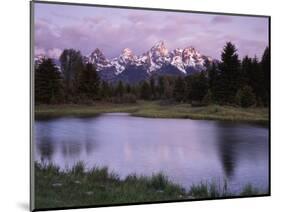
[[228, 82]]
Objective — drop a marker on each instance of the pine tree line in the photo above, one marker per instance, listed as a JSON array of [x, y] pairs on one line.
[[230, 81]]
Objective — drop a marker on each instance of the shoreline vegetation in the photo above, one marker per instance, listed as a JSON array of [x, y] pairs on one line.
[[98, 186], [230, 89], [226, 90], [158, 109]]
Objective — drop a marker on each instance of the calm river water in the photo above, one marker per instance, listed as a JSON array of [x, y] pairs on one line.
[[187, 151]]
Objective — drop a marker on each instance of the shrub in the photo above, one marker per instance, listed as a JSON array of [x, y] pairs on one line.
[[245, 97]]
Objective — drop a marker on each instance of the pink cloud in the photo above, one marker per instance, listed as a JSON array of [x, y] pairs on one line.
[[51, 53], [139, 30]]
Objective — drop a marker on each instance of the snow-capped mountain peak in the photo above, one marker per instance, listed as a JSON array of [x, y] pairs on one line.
[[191, 57], [153, 60], [158, 55], [159, 49], [98, 58], [157, 60], [127, 55]]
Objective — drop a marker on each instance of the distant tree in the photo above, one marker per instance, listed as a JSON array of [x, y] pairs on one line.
[[48, 83], [71, 63], [145, 90], [128, 88], [256, 78], [265, 69], [245, 97], [213, 79], [179, 89], [135, 90], [208, 98], [161, 86], [168, 87], [88, 81], [229, 74], [152, 88], [188, 84], [253, 77], [199, 86], [246, 71], [119, 92], [105, 90]]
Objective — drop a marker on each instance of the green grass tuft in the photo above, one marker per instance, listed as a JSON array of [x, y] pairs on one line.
[[249, 190], [209, 190], [80, 187]]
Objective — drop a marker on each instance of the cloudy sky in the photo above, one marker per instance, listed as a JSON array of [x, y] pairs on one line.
[[85, 28]]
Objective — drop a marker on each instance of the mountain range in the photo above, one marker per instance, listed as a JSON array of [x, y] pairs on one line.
[[158, 60]]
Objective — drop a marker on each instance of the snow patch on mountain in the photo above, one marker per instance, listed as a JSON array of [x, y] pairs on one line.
[[157, 58]]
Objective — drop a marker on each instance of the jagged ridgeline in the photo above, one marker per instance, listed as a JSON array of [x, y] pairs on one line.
[[157, 61]]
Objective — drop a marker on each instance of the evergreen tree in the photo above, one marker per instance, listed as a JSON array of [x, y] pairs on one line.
[[161, 86], [265, 69], [145, 91], [87, 84], [134, 90], [213, 80], [246, 72], [199, 86], [168, 87], [179, 90], [256, 78], [188, 88], [71, 63], [120, 89], [208, 98], [152, 88], [105, 90], [48, 84], [252, 76], [229, 74], [128, 88]]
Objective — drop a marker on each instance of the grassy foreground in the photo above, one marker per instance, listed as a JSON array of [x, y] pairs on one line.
[[156, 109], [76, 187]]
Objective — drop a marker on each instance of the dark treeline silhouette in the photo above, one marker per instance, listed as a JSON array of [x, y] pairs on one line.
[[230, 81]]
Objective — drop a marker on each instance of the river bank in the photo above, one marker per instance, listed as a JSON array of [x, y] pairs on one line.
[[156, 109]]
